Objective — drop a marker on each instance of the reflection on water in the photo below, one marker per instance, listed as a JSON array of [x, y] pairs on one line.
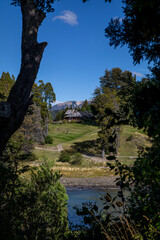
[[77, 197]]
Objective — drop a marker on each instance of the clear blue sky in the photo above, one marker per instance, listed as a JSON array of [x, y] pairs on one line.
[[77, 53]]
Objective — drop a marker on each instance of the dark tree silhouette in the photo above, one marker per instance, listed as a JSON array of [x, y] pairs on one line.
[[20, 98], [139, 29]]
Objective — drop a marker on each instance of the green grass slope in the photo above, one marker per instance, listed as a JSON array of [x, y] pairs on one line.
[[132, 140], [71, 132], [84, 137]]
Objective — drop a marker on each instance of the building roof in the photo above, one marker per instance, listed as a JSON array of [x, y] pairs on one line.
[[73, 114], [69, 112], [86, 114]]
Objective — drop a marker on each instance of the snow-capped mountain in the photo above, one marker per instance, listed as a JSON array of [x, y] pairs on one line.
[[73, 104]]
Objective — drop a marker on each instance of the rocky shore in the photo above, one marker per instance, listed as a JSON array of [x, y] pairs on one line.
[[89, 183]]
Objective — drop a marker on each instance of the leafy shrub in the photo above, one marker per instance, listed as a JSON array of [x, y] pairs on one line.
[[48, 139], [71, 156], [65, 121], [64, 156], [34, 207], [77, 159]]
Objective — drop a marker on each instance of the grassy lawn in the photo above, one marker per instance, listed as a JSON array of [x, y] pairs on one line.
[[131, 141], [130, 129], [70, 132], [84, 136], [43, 154]]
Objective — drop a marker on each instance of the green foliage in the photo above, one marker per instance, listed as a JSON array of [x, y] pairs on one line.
[[42, 5], [71, 156], [77, 159], [107, 101], [141, 181], [65, 156], [48, 139], [19, 147], [136, 30], [143, 110], [60, 115], [6, 83], [146, 178], [145, 115], [85, 107], [30, 208], [47, 94], [43, 94], [43, 97], [109, 223]]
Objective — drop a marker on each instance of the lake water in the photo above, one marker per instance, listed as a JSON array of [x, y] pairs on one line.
[[77, 197]]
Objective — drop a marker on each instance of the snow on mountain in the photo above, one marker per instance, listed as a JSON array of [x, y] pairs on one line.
[[73, 104]]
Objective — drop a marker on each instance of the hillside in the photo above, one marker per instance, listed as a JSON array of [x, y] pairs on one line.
[[83, 138]]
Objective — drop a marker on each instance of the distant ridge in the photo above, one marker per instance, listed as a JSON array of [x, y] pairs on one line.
[[73, 104]]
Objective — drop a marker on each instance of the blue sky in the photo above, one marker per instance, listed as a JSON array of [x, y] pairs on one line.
[[77, 53]]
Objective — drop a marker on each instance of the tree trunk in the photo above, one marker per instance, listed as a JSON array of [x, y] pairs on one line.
[[103, 151], [117, 140], [20, 96]]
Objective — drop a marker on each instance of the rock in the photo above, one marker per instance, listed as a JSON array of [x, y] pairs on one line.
[[5, 109]]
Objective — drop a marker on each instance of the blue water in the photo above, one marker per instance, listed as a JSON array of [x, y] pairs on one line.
[[77, 197]]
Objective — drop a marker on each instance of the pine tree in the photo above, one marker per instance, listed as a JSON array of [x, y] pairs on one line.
[[6, 83]]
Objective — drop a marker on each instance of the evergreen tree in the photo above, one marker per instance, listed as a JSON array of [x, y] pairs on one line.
[[85, 107], [107, 101], [6, 83], [47, 93], [43, 97], [38, 99], [60, 115], [137, 31]]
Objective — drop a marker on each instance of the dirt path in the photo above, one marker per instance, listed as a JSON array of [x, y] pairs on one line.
[[60, 148], [52, 149], [99, 159]]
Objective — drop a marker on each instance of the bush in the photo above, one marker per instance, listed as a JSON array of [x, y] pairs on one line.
[[77, 159], [71, 156], [64, 156], [65, 121], [48, 139], [34, 207]]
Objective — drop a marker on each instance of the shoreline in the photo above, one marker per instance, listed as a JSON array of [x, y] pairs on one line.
[[92, 183]]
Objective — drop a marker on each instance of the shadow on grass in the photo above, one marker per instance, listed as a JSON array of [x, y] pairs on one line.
[[91, 147]]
